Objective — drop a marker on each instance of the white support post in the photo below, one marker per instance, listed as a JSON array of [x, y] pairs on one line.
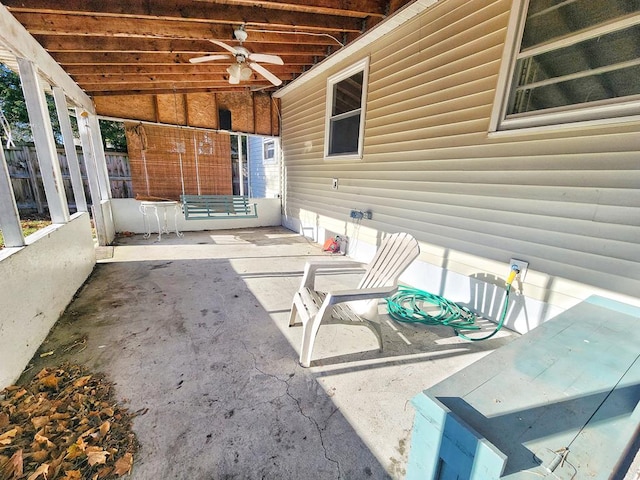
[[92, 175], [17, 40], [44, 141], [240, 165], [70, 149], [248, 165], [9, 217], [101, 161]]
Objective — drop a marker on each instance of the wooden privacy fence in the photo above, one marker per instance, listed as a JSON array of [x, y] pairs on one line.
[[27, 181]]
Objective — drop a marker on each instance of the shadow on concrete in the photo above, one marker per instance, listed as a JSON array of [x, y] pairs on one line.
[[195, 330]]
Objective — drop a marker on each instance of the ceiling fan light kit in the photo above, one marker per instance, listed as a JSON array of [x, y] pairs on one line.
[[245, 61], [245, 73], [238, 72]]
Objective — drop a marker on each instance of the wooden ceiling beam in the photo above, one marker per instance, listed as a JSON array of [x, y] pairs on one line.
[[79, 71], [82, 58], [353, 8], [191, 13], [220, 83], [67, 43], [143, 47], [79, 25], [228, 89], [233, 11], [282, 72]]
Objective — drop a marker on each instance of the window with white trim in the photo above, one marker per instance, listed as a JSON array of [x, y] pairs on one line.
[[346, 100], [268, 149], [572, 61]]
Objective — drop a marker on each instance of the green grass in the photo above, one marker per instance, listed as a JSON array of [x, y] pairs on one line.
[[28, 227]]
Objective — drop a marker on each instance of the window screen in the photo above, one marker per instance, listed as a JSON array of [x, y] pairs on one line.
[[575, 55]]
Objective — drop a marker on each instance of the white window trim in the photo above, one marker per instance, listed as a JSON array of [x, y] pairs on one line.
[[266, 141], [553, 119], [360, 66]]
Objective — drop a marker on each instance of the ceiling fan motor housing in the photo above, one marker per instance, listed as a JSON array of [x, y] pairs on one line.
[[245, 61], [240, 34]]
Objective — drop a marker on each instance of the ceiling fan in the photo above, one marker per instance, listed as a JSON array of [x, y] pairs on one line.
[[245, 60]]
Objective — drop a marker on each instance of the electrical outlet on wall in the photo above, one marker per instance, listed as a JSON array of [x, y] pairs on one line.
[[334, 183]]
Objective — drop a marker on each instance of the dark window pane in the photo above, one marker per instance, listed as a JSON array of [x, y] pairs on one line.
[[569, 75], [347, 94], [344, 135], [550, 19], [608, 85], [611, 49]]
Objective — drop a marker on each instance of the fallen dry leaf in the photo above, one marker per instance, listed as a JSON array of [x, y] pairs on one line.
[[109, 412], [82, 381], [20, 394], [39, 456], [65, 425], [74, 451], [124, 464], [42, 470], [50, 381], [39, 422], [72, 475], [7, 437], [15, 467], [104, 471], [42, 439], [96, 456], [104, 428]]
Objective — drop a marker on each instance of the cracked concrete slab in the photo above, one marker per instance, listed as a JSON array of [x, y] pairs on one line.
[[194, 332]]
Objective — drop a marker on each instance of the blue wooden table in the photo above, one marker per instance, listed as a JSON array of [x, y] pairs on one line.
[[560, 402]]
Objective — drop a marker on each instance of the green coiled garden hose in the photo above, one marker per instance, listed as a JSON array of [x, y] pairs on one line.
[[405, 306]]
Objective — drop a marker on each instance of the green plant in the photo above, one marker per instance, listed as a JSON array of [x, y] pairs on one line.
[[29, 226]]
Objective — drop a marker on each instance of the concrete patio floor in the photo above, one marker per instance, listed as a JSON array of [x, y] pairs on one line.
[[195, 330]]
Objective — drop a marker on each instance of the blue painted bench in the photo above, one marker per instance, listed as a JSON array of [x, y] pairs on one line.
[[217, 206]]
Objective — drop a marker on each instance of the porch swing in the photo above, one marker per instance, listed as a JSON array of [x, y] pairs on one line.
[[213, 207], [196, 206]]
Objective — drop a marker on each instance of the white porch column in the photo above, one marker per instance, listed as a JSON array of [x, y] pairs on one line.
[[70, 149], [240, 165], [92, 175], [45, 144], [101, 161], [9, 218]]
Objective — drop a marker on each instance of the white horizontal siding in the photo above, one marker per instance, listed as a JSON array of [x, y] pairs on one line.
[[568, 201]]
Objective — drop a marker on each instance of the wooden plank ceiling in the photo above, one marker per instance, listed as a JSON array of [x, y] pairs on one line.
[[141, 47]]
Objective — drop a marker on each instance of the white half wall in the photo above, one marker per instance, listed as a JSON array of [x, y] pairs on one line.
[[109, 225], [478, 289], [128, 218], [37, 282]]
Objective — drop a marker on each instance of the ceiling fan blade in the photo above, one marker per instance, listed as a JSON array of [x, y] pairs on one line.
[[225, 46], [208, 58], [265, 73], [266, 58]]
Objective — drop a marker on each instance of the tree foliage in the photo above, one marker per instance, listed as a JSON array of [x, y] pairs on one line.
[[113, 135], [13, 106], [14, 109]]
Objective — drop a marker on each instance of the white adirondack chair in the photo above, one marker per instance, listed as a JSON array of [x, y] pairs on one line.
[[359, 305]]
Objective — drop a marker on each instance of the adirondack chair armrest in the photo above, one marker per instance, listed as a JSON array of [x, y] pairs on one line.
[[340, 296], [312, 267]]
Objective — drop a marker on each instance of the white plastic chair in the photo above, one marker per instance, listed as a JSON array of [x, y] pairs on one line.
[[359, 305]]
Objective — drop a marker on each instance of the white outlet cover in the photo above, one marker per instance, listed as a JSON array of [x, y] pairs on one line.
[[334, 183], [522, 266]]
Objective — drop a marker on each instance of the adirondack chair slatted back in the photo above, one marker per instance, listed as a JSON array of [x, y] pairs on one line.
[[395, 254]]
